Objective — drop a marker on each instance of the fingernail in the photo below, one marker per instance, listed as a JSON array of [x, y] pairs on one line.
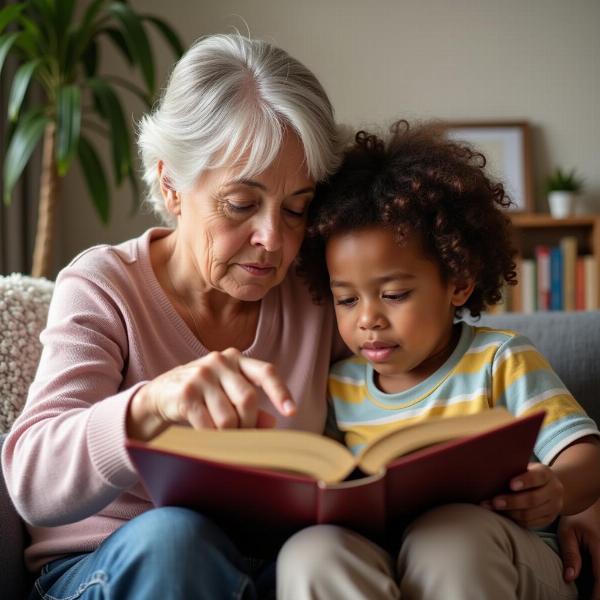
[[516, 485], [289, 407], [570, 573], [500, 503]]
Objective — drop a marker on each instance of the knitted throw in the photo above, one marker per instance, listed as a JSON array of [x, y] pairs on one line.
[[23, 311]]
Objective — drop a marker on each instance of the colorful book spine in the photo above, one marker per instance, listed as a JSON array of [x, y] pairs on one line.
[[568, 248], [591, 282], [556, 278], [542, 257], [580, 284], [528, 285]]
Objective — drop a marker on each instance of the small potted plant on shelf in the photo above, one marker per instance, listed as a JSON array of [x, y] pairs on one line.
[[562, 188]]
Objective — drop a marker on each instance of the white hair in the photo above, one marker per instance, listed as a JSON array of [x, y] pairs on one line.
[[229, 96]]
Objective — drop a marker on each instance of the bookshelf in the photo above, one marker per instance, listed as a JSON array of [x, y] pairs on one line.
[[531, 230]]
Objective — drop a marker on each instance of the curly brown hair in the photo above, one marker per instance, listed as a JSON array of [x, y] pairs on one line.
[[417, 181]]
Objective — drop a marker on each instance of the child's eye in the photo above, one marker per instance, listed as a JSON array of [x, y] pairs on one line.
[[397, 296], [345, 301]]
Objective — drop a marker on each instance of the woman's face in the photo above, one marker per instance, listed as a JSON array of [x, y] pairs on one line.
[[242, 234]]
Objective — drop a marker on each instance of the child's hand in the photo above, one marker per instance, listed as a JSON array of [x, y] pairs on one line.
[[536, 499]]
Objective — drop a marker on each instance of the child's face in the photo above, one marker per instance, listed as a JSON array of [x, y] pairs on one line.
[[392, 305]]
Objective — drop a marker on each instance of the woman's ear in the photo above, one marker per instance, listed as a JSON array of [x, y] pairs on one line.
[[462, 291], [169, 193]]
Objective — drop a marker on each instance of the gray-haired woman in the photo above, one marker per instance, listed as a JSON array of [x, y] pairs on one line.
[[203, 323]]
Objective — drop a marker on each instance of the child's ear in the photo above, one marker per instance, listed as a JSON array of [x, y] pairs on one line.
[[461, 291], [169, 193]]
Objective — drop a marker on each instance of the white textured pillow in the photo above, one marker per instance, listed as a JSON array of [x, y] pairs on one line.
[[23, 311]]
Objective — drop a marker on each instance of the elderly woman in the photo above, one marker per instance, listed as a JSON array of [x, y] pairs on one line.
[[203, 323]]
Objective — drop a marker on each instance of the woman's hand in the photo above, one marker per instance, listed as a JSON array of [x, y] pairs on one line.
[[577, 532], [536, 499], [217, 391]]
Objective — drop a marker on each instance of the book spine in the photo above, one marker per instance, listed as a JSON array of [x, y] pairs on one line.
[[580, 284], [542, 257], [528, 285], [591, 282], [556, 275], [568, 246]]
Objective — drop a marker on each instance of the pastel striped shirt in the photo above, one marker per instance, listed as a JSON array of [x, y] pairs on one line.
[[487, 368]]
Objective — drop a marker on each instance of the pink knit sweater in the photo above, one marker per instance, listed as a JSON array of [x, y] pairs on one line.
[[110, 329]]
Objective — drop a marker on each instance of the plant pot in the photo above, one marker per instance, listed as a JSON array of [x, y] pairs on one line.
[[561, 203]]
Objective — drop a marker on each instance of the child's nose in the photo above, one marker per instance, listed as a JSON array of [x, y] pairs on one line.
[[371, 318]]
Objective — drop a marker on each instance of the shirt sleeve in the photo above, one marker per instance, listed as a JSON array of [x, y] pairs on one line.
[[71, 434], [524, 382]]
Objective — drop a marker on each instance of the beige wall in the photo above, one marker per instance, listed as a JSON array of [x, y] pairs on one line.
[[379, 60]]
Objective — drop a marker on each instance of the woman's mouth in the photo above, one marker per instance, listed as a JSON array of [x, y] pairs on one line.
[[258, 270]]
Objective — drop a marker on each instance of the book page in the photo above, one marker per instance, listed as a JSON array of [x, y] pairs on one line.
[[285, 450], [436, 430]]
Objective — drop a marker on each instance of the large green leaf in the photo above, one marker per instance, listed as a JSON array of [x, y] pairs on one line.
[[95, 178], [31, 41], [19, 87], [136, 39], [68, 125], [118, 39], [6, 43], [112, 111], [63, 15], [9, 14], [134, 89], [23, 141], [86, 32], [90, 58], [168, 33]]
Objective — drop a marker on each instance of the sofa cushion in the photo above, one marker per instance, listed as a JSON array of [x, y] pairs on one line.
[[23, 311], [570, 341]]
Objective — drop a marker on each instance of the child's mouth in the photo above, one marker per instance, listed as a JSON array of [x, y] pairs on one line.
[[377, 351]]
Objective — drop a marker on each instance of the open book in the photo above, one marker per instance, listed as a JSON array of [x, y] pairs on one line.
[[290, 479]]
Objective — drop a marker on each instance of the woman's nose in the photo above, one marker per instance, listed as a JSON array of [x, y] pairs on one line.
[[268, 232]]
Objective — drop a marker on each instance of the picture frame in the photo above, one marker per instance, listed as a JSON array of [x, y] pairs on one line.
[[507, 149]]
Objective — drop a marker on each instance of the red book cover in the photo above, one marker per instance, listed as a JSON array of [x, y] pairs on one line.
[[469, 469]]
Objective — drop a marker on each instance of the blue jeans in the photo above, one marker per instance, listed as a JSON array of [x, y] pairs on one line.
[[166, 553]]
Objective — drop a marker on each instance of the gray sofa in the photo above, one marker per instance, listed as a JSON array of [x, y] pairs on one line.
[[571, 341]]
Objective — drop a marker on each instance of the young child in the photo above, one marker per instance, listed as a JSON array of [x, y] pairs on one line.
[[413, 236]]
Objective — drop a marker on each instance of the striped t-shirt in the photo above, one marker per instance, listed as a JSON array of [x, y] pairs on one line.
[[487, 368]]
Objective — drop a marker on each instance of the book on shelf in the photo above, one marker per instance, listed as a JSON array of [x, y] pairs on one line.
[[542, 259], [282, 480], [556, 278], [568, 249], [590, 282], [528, 285]]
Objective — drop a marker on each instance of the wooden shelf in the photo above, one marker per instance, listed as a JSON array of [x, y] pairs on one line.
[[531, 230]]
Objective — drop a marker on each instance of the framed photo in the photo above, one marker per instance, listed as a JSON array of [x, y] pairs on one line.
[[507, 149]]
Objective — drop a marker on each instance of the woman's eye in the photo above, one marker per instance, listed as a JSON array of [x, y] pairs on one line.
[[295, 213], [238, 208], [397, 296]]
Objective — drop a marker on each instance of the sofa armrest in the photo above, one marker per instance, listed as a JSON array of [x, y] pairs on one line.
[[14, 578]]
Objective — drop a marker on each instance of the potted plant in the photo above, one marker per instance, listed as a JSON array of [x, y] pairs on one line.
[[57, 45], [562, 188]]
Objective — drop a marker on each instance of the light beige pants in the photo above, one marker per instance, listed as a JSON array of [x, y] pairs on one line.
[[456, 552]]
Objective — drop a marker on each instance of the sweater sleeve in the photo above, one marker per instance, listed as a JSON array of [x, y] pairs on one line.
[[65, 457], [524, 382]]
